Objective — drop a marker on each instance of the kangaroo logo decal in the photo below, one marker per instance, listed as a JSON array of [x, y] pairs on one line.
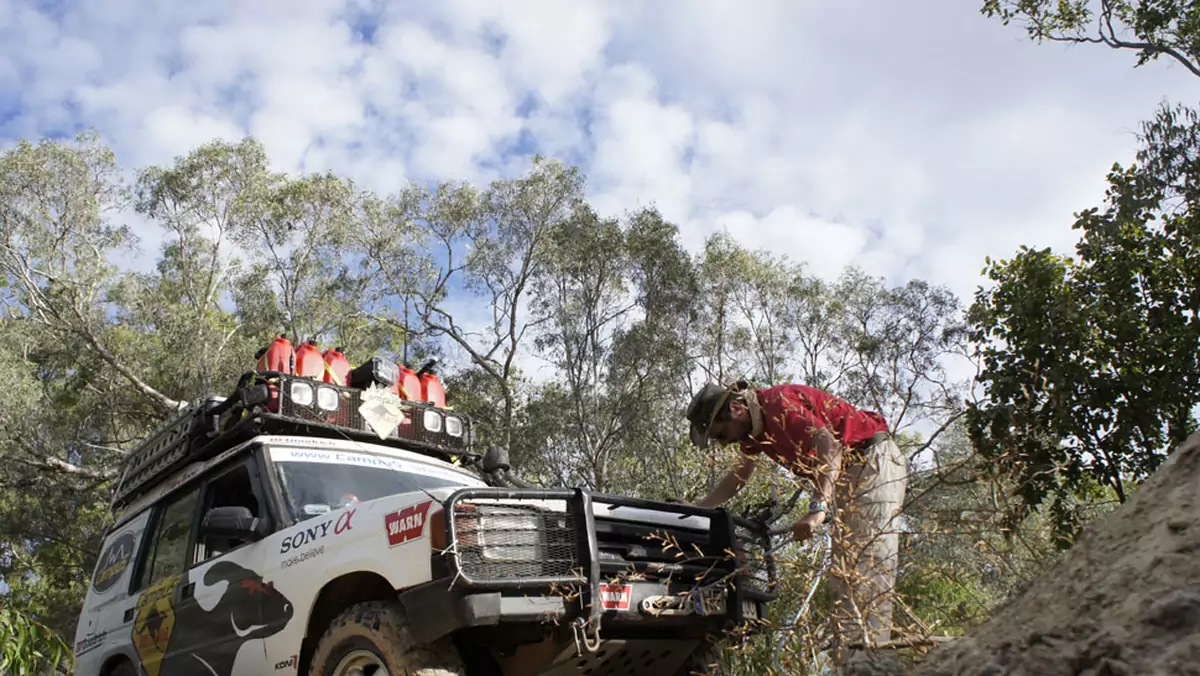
[[194, 641]]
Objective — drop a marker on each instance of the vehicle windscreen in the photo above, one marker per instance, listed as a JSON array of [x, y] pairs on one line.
[[315, 482]]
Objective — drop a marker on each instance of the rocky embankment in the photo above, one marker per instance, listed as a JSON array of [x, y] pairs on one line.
[[1125, 601]]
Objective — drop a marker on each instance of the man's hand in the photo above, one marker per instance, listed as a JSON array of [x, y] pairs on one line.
[[733, 482], [803, 529]]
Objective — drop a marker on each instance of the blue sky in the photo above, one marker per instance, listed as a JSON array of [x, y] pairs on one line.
[[912, 140]]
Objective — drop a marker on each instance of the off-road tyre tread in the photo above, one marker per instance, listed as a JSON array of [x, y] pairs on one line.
[[385, 624]]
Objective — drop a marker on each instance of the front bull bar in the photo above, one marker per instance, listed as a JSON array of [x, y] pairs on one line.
[[580, 521]]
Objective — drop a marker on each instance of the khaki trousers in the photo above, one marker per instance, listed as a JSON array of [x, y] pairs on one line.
[[865, 544]]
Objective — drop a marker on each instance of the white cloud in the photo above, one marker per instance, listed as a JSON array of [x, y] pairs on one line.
[[547, 47], [911, 140], [631, 123], [174, 130]]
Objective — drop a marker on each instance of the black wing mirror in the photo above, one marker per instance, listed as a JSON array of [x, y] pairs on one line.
[[233, 522], [497, 466], [496, 459]]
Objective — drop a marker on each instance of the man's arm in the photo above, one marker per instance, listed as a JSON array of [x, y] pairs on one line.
[[829, 466], [731, 483]]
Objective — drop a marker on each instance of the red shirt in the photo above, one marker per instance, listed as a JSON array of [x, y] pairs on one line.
[[792, 413]]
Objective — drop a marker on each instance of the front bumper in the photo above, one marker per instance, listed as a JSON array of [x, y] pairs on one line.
[[553, 555]]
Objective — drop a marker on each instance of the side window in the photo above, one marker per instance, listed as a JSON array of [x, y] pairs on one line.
[[167, 550], [233, 488]]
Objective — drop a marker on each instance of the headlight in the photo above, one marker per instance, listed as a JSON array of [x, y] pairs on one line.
[[327, 399], [510, 537], [301, 393], [432, 421], [454, 426]]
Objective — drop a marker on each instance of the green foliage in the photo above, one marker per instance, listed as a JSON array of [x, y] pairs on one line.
[[964, 548], [50, 536], [649, 361], [29, 647], [1152, 28], [1092, 364], [248, 254]]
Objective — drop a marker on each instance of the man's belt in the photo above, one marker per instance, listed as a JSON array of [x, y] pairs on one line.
[[867, 443]]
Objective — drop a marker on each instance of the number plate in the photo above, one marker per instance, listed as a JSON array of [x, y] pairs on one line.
[[710, 600]]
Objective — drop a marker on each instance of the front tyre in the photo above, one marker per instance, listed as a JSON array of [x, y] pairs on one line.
[[372, 639]]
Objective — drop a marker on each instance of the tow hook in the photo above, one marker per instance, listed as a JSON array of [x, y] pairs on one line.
[[585, 637]]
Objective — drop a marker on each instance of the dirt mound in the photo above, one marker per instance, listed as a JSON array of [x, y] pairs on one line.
[[1125, 601]]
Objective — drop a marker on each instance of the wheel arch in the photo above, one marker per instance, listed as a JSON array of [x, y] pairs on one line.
[[113, 662], [334, 597]]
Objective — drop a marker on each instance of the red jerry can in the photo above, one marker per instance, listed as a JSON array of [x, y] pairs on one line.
[[431, 387], [309, 363], [432, 390], [410, 384], [278, 356], [337, 367]]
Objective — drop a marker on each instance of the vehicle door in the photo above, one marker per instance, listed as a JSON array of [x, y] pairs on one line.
[[158, 577], [225, 600]]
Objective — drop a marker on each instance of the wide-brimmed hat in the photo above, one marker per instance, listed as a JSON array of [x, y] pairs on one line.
[[703, 410]]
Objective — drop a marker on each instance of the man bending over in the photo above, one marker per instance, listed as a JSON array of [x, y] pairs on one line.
[[856, 471]]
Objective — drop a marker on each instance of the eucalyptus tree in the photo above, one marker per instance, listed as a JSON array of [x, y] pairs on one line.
[[457, 263]]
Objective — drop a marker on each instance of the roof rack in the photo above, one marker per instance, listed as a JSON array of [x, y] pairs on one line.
[[269, 402]]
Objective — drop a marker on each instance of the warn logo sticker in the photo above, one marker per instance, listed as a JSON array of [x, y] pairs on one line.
[[615, 596], [407, 524]]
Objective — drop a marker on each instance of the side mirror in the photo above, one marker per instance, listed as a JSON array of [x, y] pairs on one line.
[[496, 459], [233, 522]]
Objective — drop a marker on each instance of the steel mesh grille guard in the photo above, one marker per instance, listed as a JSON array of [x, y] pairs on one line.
[[515, 541]]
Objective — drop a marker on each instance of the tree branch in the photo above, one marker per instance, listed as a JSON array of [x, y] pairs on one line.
[[1115, 42], [160, 400], [57, 465]]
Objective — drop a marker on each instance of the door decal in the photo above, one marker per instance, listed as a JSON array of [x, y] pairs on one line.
[[192, 640], [154, 622], [113, 562]]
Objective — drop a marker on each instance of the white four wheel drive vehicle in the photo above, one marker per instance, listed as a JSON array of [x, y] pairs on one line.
[[302, 527]]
